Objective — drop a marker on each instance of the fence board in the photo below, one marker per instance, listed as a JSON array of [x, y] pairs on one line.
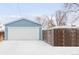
[[77, 38], [62, 37], [67, 40]]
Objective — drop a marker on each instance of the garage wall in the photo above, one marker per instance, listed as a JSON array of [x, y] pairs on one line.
[[6, 33], [24, 31], [23, 23]]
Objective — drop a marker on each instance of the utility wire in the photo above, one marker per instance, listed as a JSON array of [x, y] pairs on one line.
[[19, 10]]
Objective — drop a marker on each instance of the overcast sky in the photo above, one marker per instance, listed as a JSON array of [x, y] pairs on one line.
[[10, 12]]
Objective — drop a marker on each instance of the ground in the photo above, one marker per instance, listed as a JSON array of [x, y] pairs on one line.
[[12, 47]]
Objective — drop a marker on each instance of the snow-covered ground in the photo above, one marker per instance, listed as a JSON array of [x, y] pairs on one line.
[[33, 48]]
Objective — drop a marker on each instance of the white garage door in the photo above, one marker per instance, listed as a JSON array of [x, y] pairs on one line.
[[23, 33]]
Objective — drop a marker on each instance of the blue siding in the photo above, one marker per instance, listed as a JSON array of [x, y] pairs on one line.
[[6, 33], [40, 33], [23, 23]]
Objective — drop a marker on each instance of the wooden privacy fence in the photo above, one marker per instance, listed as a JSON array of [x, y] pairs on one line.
[[62, 36], [48, 36]]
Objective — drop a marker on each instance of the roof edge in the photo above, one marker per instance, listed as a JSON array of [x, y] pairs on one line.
[[20, 20]]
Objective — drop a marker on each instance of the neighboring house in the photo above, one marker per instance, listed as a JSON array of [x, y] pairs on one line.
[[23, 29], [1, 32]]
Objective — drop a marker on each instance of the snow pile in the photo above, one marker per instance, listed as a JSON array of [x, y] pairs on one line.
[[33, 48]]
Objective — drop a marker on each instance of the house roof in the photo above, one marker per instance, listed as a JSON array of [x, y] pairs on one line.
[[23, 22]]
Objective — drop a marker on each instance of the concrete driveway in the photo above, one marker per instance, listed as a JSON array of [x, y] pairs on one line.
[[11, 47]]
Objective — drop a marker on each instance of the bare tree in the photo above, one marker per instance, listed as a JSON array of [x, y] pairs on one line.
[[45, 21], [61, 18], [50, 22], [42, 20], [72, 8]]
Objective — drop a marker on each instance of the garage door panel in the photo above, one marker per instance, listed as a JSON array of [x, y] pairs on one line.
[[18, 33]]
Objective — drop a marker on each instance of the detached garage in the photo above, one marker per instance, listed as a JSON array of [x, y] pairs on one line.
[[23, 30]]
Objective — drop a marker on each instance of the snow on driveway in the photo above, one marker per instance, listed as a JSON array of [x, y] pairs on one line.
[[33, 48]]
